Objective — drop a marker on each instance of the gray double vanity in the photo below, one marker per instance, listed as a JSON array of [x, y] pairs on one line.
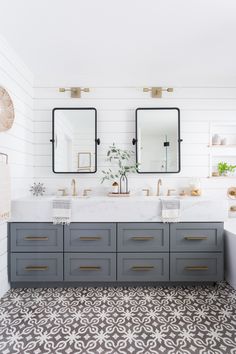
[[92, 252]]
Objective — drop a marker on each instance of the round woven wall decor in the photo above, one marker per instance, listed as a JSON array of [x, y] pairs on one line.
[[7, 114]]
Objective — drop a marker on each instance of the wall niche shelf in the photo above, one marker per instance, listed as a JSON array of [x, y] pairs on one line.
[[222, 152]]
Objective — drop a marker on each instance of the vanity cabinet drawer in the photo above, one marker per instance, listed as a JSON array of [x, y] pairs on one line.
[[36, 237], [36, 267], [143, 267], [204, 237], [90, 267], [196, 267], [90, 237], [143, 237]]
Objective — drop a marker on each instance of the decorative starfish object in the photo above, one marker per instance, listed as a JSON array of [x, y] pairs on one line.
[[37, 189]]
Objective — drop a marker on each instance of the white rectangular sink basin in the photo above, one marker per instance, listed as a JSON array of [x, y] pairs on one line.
[[130, 209]]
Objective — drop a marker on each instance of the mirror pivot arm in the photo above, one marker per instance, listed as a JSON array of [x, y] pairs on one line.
[[98, 141], [134, 141]]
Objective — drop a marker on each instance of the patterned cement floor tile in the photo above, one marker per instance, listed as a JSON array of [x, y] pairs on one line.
[[122, 320]]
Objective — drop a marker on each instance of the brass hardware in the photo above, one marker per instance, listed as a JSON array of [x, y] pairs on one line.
[[156, 92], [75, 91], [193, 268], [142, 268], [169, 192], [63, 190], [36, 238], [90, 238], [35, 268], [159, 183], [233, 208], [73, 185], [85, 192], [195, 238], [147, 192], [90, 268], [6, 157], [142, 238]]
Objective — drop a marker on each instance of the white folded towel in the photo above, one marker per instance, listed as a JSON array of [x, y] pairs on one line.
[[61, 211], [170, 210], [5, 192]]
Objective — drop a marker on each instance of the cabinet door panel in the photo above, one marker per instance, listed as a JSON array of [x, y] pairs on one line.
[[36, 267], [90, 267], [90, 237], [196, 267], [36, 237], [143, 267], [194, 237], [143, 237]]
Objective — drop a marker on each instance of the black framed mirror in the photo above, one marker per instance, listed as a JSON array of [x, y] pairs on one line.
[[158, 140], [74, 140]]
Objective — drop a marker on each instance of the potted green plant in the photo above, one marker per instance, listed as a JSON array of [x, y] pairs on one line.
[[225, 169], [122, 164]]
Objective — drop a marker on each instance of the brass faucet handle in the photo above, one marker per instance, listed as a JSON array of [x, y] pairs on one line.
[[85, 89], [63, 190], [147, 191], [85, 192], [169, 192]]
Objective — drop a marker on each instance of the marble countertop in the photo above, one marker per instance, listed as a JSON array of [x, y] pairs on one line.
[[123, 209]]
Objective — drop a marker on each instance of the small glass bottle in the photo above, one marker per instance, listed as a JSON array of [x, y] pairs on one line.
[[124, 184]]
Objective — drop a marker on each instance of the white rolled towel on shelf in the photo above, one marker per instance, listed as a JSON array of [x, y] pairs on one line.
[[5, 192], [170, 211], [61, 211]]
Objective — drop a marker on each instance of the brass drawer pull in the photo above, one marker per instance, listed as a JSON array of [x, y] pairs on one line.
[[36, 238], [35, 268], [142, 238], [195, 238], [90, 238], [142, 268], [193, 268], [90, 268]]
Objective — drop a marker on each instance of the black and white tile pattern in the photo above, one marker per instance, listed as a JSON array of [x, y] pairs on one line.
[[122, 320]]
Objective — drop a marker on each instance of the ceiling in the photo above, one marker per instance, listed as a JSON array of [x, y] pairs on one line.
[[124, 43]]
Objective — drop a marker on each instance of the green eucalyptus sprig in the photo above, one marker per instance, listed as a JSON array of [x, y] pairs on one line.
[[122, 159]]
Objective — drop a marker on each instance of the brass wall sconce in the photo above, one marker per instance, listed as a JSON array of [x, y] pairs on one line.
[[156, 92], [75, 92]]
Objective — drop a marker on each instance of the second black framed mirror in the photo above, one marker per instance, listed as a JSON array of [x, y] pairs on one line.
[[158, 140]]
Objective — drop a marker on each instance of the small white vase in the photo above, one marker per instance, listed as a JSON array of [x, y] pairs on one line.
[[216, 140]]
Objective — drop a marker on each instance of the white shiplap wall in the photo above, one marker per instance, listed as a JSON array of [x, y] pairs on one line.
[[18, 141], [116, 123]]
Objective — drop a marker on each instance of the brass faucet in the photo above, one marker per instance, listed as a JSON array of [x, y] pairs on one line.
[[159, 184], [73, 186]]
